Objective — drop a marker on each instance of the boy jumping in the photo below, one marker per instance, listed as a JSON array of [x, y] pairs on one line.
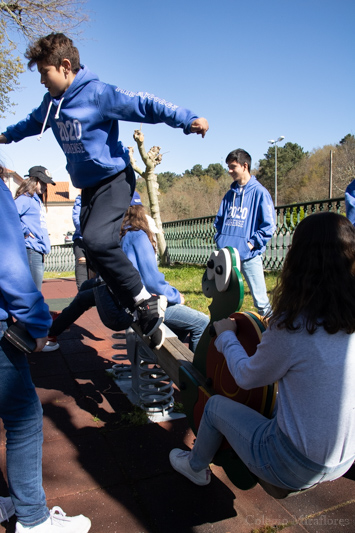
[[83, 113]]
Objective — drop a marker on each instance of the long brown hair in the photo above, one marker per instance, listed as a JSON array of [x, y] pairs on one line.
[[318, 278], [134, 220], [28, 187]]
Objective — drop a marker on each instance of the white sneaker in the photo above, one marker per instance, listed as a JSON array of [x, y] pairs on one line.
[[179, 460], [7, 509], [58, 522], [50, 346]]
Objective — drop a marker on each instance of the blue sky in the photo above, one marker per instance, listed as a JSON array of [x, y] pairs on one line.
[[255, 69]]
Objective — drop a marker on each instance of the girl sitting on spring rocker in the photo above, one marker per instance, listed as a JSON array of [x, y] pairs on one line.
[[309, 349]]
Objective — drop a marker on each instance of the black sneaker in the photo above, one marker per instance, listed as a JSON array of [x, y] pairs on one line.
[[151, 314]]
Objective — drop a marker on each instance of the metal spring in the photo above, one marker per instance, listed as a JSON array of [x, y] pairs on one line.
[[155, 389]]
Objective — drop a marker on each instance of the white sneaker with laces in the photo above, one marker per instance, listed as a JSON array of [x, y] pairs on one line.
[[58, 522], [7, 509], [179, 460]]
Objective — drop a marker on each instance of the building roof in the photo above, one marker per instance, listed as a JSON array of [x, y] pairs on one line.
[[59, 192], [12, 173]]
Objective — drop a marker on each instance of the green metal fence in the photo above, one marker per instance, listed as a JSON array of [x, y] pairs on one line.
[[191, 240], [60, 259]]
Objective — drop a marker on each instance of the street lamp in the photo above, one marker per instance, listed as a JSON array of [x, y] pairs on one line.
[[281, 138]]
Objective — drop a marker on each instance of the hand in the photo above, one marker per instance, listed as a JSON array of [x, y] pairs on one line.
[[3, 139], [199, 126], [182, 298], [226, 324], [250, 245], [40, 343]]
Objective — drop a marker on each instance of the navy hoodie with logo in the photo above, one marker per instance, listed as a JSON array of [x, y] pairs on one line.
[[246, 214], [85, 119]]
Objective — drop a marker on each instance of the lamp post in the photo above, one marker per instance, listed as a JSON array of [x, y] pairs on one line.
[[281, 138]]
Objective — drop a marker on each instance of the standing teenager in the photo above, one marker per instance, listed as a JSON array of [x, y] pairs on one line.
[[246, 221], [20, 408], [31, 203]]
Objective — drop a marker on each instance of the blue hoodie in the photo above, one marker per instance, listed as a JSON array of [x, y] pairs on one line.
[[19, 296], [350, 202], [76, 217], [84, 121], [246, 214], [33, 220], [140, 252]]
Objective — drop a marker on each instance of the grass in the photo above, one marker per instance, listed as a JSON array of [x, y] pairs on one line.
[[188, 280], [56, 275]]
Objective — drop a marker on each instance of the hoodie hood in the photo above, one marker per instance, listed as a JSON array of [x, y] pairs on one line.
[[82, 78], [239, 190]]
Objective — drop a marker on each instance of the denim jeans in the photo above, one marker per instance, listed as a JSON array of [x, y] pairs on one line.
[[253, 271], [259, 443], [35, 260], [183, 321], [21, 412]]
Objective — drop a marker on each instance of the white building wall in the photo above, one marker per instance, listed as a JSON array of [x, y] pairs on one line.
[[59, 221]]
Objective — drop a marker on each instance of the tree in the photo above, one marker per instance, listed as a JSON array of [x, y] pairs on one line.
[[343, 164], [347, 139], [288, 157], [10, 68], [215, 170], [196, 170], [151, 159], [166, 179], [25, 20]]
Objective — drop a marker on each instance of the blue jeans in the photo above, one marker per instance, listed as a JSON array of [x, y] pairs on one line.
[[259, 443], [183, 321], [35, 260], [253, 271], [21, 412]]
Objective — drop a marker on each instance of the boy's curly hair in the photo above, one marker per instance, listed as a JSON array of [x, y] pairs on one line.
[[53, 49]]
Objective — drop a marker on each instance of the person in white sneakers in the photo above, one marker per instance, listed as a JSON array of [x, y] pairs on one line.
[[309, 349], [20, 408]]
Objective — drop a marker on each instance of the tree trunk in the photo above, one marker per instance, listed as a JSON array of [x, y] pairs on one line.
[[151, 159]]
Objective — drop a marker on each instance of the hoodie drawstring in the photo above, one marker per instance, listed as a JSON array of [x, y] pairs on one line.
[[58, 110], [47, 115], [241, 201]]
